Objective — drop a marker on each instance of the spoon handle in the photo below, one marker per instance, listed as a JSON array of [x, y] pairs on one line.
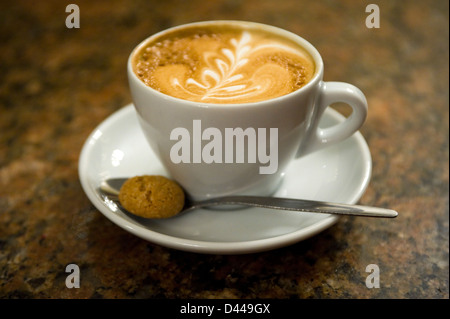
[[308, 206]]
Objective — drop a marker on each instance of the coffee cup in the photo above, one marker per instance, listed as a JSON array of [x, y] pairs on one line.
[[227, 105]]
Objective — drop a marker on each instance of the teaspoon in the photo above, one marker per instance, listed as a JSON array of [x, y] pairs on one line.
[[111, 187]]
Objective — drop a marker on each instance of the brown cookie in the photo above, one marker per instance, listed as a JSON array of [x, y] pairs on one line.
[[152, 196]]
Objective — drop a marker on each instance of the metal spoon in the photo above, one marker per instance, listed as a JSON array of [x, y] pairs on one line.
[[111, 187]]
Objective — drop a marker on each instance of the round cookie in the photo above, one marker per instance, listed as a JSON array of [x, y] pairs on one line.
[[151, 196]]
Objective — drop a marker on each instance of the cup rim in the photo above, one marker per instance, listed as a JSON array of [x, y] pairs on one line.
[[311, 50]]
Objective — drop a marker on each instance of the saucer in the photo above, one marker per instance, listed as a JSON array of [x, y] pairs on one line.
[[339, 173]]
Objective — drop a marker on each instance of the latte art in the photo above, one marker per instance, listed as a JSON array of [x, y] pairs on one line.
[[224, 78], [224, 66]]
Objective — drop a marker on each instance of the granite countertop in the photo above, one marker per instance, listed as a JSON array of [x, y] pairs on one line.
[[57, 84]]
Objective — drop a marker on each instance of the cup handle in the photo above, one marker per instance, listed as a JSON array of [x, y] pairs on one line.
[[329, 93]]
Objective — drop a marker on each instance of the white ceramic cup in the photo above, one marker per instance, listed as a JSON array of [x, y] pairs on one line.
[[293, 117]]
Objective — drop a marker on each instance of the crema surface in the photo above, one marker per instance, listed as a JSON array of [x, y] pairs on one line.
[[223, 64]]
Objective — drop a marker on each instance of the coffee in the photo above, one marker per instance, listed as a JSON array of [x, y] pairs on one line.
[[223, 63]]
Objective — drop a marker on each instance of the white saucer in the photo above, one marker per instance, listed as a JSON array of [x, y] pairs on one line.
[[117, 148]]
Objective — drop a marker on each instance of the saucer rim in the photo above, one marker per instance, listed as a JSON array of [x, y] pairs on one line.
[[213, 247]]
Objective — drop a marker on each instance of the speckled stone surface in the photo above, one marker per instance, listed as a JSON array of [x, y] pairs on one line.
[[57, 84]]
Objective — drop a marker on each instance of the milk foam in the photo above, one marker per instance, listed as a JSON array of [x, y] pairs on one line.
[[238, 67]]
